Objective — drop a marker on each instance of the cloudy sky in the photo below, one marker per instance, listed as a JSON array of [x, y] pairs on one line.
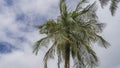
[[18, 34]]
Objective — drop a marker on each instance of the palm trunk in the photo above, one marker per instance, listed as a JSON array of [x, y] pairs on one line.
[[67, 56]]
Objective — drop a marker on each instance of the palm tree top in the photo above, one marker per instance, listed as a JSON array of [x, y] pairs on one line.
[[72, 34]]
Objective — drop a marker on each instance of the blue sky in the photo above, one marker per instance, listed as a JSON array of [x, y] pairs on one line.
[[18, 34]]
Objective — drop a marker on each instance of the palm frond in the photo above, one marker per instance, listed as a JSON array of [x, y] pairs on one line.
[[87, 10], [80, 4], [99, 27], [90, 58], [114, 6], [49, 54], [39, 43], [102, 42], [63, 9], [104, 2]]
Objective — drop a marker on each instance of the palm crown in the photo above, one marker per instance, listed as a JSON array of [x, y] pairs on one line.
[[73, 34]]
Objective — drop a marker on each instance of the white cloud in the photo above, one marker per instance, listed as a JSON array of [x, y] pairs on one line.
[[20, 60], [10, 31], [42, 7]]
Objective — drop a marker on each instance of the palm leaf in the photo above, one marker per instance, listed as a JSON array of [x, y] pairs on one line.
[[102, 42], [63, 9], [80, 4], [86, 10], [114, 6], [49, 54], [39, 43], [104, 2]]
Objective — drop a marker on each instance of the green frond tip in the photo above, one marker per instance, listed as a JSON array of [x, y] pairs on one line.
[[36, 47], [104, 2], [39, 43], [102, 42], [80, 4], [49, 54], [87, 9], [114, 6], [45, 65], [63, 8]]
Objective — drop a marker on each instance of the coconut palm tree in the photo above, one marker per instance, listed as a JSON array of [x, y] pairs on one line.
[[73, 35], [113, 5]]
